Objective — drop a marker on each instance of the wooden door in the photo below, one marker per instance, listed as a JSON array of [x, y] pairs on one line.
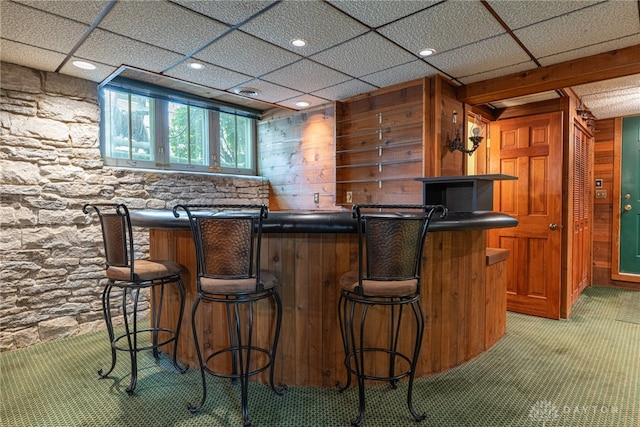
[[630, 197], [531, 149]]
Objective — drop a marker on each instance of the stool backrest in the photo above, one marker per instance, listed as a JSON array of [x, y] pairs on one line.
[[227, 239], [117, 233], [391, 240]]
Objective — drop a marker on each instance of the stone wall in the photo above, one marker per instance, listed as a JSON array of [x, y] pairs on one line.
[[52, 268]]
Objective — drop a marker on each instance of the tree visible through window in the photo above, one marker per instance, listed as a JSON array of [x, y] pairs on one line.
[[187, 135]]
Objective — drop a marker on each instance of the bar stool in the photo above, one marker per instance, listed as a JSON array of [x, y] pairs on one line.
[[390, 244], [227, 242], [131, 275]]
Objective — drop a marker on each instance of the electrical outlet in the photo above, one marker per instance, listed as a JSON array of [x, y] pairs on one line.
[[316, 198], [601, 194], [349, 197]]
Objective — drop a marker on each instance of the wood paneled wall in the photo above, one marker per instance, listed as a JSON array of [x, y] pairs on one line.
[[603, 208], [296, 153]]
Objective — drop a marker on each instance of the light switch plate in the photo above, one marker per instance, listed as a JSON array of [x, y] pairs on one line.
[[601, 194]]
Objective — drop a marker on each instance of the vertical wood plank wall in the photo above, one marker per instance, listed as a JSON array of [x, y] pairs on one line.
[[463, 300], [603, 208]]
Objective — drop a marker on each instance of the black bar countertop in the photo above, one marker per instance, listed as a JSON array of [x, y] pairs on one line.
[[329, 221]]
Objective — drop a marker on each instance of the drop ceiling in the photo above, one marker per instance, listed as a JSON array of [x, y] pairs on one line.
[[352, 47]]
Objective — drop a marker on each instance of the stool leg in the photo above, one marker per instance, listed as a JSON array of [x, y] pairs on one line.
[[106, 311], [342, 315], [176, 336], [156, 315], [279, 390], [359, 361], [419, 316], [196, 408], [132, 337], [394, 331], [233, 341], [244, 361]]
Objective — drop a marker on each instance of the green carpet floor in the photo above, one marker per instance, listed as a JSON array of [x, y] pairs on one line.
[[584, 371]]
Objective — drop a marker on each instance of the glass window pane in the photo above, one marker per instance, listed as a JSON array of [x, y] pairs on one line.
[[227, 140], [178, 133], [198, 136], [117, 125], [141, 137], [128, 130], [187, 134]]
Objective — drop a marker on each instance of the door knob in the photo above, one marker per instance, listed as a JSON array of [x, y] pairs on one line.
[[627, 196], [553, 226], [627, 208]]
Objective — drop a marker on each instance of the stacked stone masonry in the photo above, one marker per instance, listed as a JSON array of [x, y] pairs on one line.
[[50, 165]]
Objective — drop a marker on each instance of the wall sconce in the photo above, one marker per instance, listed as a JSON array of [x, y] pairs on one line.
[[457, 144]]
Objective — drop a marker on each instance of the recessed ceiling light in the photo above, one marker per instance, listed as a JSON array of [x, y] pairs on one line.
[[84, 65], [196, 65], [427, 52], [299, 43], [303, 103], [246, 91]]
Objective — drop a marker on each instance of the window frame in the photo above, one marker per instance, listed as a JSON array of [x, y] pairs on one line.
[[160, 98]]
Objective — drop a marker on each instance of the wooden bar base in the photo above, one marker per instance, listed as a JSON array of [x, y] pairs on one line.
[[464, 299]]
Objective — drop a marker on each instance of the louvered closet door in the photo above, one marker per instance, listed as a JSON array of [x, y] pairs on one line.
[[581, 240]]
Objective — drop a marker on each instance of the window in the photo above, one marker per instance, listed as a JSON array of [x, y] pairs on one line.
[[160, 129]]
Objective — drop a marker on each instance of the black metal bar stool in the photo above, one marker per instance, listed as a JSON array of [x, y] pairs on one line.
[[390, 245], [227, 242], [131, 275]]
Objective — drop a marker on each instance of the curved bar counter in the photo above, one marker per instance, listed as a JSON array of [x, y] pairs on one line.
[[464, 289]]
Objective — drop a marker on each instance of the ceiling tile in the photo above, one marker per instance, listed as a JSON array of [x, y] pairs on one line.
[[318, 23], [306, 76], [586, 27], [544, 96], [240, 51], [98, 75], [116, 50], [611, 98], [617, 103], [211, 76], [487, 55], [401, 73], [269, 92], [517, 13], [165, 25], [313, 101], [86, 14], [445, 26], [29, 56], [591, 50], [497, 72], [19, 24], [367, 54], [376, 13], [231, 12], [344, 90], [621, 83]]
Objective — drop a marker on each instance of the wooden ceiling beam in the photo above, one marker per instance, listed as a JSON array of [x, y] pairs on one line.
[[603, 66]]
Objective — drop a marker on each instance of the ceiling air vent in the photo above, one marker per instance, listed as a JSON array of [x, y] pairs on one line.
[[246, 91]]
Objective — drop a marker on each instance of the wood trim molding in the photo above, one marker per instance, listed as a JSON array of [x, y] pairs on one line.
[[615, 218], [603, 66]]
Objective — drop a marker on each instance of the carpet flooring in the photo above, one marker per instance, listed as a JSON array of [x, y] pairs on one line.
[[584, 371]]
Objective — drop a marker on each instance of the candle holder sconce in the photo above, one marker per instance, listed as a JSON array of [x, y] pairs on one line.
[[458, 144]]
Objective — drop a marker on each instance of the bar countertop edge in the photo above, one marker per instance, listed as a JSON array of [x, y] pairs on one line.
[[329, 221]]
